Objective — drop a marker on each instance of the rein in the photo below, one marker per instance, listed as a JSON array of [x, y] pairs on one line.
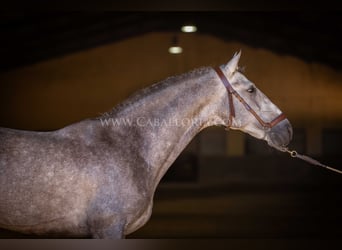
[[231, 92], [308, 159]]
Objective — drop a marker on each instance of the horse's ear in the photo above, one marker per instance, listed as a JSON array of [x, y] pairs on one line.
[[232, 65]]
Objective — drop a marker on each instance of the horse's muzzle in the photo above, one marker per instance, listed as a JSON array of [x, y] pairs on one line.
[[280, 135]]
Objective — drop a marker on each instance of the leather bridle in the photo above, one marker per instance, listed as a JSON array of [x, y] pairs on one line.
[[231, 92]]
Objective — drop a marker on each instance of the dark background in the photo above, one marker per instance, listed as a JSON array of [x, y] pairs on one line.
[[305, 204], [30, 37]]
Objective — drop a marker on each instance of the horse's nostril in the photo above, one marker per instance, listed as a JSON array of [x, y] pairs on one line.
[[281, 134]]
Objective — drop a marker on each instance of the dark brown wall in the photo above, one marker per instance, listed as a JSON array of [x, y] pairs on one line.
[[60, 91]]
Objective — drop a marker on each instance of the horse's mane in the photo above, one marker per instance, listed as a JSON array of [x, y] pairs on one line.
[[155, 88]]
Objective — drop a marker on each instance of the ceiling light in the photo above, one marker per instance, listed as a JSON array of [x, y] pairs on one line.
[[175, 50], [189, 28]]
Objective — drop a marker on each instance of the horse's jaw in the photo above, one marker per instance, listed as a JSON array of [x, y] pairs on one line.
[[277, 137]]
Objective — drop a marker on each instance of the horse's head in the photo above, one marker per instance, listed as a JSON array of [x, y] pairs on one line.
[[250, 110]]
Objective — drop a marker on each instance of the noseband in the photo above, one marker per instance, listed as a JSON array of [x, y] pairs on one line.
[[231, 92]]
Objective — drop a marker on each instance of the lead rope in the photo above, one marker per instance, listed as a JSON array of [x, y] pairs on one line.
[[308, 159]]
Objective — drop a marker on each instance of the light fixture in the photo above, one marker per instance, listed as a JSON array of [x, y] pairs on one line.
[[175, 48], [189, 28]]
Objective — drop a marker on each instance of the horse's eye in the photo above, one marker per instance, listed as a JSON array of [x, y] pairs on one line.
[[251, 90]]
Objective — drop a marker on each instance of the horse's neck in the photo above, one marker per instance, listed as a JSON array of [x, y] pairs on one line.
[[167, 117]]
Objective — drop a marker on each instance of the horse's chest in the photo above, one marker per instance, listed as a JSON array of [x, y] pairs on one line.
[[139, 219]]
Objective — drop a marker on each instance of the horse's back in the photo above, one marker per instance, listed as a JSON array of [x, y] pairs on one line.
[[40, 181]]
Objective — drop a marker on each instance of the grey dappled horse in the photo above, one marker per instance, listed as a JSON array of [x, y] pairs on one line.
[[97, 177]]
